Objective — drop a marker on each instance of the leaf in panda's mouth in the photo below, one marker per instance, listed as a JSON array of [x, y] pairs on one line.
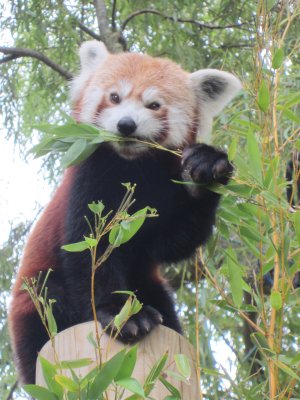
[[78, 141]]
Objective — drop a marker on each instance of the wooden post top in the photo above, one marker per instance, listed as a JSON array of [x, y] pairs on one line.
[[72, 344]]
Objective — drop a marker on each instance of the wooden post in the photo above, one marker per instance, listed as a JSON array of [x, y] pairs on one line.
[[72, 344]]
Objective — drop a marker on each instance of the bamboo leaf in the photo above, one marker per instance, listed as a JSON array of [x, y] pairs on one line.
[[278, 58], [172, 389], [39, 392], [276, 300], [71, 364], [254, 156], [132, 385], [263, 99], [297, 225], [154, 373], [183, 365], [66, 383], [128, 364], [106, 375], [235, 279], [49, 370], [76, 247], [232, 148]]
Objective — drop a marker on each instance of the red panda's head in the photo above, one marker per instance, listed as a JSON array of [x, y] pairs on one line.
[[152, 99]]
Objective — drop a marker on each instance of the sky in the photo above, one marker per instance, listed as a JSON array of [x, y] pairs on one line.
[[22, 188]]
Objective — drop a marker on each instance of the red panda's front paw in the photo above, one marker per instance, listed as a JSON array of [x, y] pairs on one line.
[[205, 165], [136, 328]]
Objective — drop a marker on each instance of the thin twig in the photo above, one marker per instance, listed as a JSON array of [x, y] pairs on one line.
[[113, 15], [170, 18], [11, 392], [87, 30]]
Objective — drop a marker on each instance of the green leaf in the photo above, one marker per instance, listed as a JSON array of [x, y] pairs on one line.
[[51, 321], [124, 314], [213, 372], [270, 4], [39, 392], [132, 385], [235, 278], [106, 375], [92, 242], [183, 365], [175, 375], [276, 300], [278, 58], [172, 389], [136, 306], [297, 225], [76, 247], [154, 373], [289, 114], [254, 156], [66, 383], [116, 235], [49, 370], [251, 234], [89, 377], [91, 340], [263, 99], [126, 229], [72, 364], [138, 218], [295, 360], [232, 148], [74, 152], [286, 369], [96, 208], [259, 340], [128, 364]]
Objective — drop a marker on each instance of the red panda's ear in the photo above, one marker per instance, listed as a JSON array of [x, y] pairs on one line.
[[92, 54], [213, 89]]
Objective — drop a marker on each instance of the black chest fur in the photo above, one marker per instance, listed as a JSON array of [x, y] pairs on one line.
[[101, 177]]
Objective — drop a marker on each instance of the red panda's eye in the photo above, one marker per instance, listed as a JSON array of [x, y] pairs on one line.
[[115, 98], [153, 106]]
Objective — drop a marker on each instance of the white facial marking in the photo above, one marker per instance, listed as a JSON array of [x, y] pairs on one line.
[[178, 126], [124, 88], [91, 99], [150, 95], [147, 126]]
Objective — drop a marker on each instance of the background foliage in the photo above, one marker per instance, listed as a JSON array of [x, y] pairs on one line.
[[256, 239]]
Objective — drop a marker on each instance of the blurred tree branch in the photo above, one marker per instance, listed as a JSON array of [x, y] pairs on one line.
[[17, 52], [11, 392], [201, 25]]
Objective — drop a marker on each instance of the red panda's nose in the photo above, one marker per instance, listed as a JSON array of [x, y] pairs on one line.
[[126, 126]]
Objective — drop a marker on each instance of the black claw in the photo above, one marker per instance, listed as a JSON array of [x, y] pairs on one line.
[[137, 327], [205, 164]]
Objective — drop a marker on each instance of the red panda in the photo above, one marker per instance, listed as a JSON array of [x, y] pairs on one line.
[[141, 97]]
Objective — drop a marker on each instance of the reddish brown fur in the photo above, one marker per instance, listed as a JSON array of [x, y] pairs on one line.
[[144, 72]]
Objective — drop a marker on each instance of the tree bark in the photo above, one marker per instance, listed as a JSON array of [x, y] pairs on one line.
[[110, 38]]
